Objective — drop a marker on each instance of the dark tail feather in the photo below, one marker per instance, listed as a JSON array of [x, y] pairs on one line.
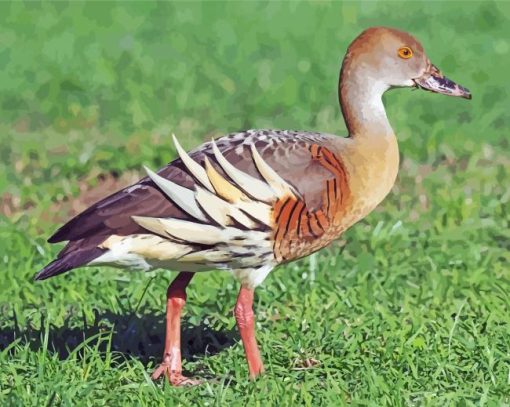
[[68, 261]]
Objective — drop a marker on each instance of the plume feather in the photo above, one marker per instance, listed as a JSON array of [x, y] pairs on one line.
[[277, 183], [251, 185], [182, 197], [193, 167]]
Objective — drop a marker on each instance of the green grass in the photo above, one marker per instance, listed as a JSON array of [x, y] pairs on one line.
[[410, 307]]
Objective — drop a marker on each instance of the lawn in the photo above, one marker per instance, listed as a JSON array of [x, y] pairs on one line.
[[410, 307]]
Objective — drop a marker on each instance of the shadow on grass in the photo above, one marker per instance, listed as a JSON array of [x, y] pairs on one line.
[[138, 336]]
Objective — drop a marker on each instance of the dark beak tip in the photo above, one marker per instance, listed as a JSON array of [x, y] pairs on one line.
[[466, 94]]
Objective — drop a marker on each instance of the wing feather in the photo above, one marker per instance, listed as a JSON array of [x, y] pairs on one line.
[[192, 166], [259, 190], [220, 210], [183, 197], [277, 183]]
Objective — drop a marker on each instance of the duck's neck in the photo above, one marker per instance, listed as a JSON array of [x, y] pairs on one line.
[[360, 95], [373, 154]]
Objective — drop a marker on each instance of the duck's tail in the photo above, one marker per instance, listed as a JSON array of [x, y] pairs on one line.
[[69, 259]]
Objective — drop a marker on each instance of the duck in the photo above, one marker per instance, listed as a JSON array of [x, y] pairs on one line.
[[253, 200]]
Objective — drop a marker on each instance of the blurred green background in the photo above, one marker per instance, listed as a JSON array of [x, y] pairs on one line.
[[411, 307]]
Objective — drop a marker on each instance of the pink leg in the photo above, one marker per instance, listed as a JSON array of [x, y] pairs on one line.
[[246, 324], [171, 365]]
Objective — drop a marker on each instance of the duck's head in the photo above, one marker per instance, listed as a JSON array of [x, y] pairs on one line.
[[393, 58]]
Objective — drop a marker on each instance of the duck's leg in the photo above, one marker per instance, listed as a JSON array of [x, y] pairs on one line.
[[246, 323], [171, 364]]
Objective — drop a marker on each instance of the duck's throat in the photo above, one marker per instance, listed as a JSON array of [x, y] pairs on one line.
[[360, 95]]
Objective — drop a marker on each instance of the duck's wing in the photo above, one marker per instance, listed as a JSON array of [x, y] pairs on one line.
[[286, 152], [222, 188]]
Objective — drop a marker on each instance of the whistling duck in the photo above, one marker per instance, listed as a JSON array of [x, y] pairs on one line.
[[252, 200]]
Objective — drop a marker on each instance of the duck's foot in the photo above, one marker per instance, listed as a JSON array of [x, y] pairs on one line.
[[257, 372], [175, 378]]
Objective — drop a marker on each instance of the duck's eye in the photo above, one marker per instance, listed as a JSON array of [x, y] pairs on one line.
[[405, 52]]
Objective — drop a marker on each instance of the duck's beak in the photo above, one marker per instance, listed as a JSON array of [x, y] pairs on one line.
[[434, 81]]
